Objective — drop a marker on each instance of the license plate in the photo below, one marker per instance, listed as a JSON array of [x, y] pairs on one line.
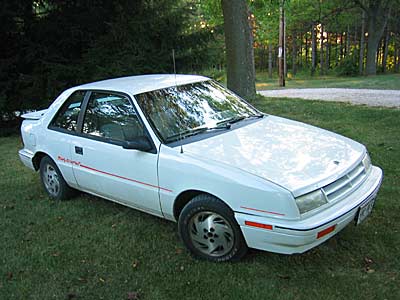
[[364, 211]]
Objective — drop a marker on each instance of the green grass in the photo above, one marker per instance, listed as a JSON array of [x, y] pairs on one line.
[[387, 82], [89, 248]]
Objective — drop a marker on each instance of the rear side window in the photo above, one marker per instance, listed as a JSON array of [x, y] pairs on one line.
[[111, 117], [67, 116]]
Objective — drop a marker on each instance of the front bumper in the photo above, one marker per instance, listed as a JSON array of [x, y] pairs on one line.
[[298, 236]]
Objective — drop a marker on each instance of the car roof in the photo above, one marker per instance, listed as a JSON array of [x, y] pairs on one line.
[[142, 83]]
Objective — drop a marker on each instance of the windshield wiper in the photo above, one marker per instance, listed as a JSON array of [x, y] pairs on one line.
[[191, 132], [227, 123], [186, 133]]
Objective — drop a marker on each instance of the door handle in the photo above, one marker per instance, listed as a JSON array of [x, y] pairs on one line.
[[78, 150]]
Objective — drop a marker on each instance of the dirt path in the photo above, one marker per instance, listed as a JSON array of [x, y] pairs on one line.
[[387, 98]]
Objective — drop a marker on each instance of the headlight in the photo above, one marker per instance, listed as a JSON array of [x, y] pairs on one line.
[[310, 201], [367, 162]]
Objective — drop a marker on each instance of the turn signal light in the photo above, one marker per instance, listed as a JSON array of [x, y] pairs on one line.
[[259, 225], [325, 231]]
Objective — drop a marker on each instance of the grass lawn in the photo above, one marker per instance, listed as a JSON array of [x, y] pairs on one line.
[[89, 248], [387, 82]]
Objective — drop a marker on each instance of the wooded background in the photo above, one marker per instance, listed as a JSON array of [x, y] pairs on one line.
[[47, 46]]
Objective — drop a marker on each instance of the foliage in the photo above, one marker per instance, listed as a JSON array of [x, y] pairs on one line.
[[49, 45], [348, 67], [266, 16], [54, 44]]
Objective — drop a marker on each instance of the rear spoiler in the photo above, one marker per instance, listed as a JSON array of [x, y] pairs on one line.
[[36, 115]]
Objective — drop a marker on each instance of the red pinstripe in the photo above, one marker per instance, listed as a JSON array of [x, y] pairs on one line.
[[264, 211], [111, 174]]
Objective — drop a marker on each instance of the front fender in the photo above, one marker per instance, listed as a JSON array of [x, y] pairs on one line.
[[241, 191]]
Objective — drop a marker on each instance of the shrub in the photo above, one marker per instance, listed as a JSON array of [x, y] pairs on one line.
[[348, 67]]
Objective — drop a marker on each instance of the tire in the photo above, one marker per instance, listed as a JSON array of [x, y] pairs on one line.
[[53, 181], [209, 230]]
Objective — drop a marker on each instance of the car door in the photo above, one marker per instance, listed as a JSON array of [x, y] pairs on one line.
[[105, 167]]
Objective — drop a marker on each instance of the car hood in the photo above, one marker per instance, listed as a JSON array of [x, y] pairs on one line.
[[294, 155]]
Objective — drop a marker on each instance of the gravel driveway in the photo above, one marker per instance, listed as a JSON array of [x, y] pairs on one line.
[[387, 98]]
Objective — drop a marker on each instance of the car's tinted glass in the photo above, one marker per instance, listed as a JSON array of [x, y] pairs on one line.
[[112, 117], [67, 116]]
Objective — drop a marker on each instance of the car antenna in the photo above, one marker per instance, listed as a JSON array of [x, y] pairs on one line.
[[176, 87]]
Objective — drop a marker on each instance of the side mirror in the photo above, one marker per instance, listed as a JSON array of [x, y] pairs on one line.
[[141, 143]]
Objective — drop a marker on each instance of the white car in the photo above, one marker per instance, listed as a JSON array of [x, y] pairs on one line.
[[184, 148]]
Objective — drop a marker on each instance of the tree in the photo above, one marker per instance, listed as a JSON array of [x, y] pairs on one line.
[[313, 49], [266, 35], [50, 45], [282, 46], [377, 13], [239, 48], [362, 46]]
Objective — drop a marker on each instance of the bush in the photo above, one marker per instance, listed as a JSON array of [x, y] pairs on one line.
[[348, 67]]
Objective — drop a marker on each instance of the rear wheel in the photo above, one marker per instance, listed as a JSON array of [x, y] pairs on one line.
[[52, 180], [209, 230]]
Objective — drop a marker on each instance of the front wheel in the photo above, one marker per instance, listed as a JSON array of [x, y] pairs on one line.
[[52, 180], [209, 230]]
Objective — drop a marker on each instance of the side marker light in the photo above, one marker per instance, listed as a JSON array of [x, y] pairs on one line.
[[259, 225], [326, 231]]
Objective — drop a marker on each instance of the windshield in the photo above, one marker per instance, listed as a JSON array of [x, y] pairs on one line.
[[177, 112]]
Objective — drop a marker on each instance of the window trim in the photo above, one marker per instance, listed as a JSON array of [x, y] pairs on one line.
[[152, 126], [56, 115], [81, 118]]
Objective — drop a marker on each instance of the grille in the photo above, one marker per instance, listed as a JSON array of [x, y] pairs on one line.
[[346, 184]]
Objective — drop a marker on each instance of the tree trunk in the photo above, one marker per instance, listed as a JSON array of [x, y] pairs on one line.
[[342, 54], [362, 46], [264, 58], [327, 53], [376, 24], [396, 58], [294, 53], [307, 50], [284, 47], [385, 50], [355, 36], [270, 60], [281, 49], [336, 51], [348, 41], [300, 52], [313, 50], [239, 48], [321, 51], [378, 54]]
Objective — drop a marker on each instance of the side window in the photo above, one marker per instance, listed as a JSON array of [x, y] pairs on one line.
[[67, 116], [112, 117]]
